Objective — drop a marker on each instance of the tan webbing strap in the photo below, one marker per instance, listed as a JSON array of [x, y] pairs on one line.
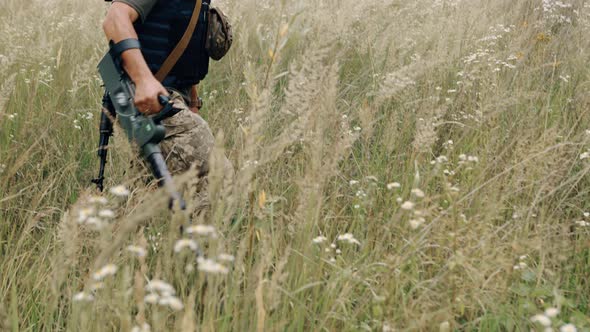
[[181, 46]]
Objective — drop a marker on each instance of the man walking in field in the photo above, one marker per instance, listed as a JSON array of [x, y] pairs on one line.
[[160, 26]]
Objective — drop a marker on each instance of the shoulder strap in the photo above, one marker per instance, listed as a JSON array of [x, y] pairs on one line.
[[181, 46]]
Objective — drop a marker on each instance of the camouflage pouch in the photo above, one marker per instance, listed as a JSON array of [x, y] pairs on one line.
[[219, 34]]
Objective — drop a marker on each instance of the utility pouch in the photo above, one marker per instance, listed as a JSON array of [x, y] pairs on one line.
[[219, 34]]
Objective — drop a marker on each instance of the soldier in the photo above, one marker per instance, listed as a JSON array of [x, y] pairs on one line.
[[159, 26]]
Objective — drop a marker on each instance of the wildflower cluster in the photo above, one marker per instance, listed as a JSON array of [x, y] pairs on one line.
[[120, 191], [393, 185], [163, 294], [98, 277], [583, 222], [557, 12], [210, 266], [546, 320], [95, 213], [144, 328], [361, 194], [207, 265], [417, 217], [137, 251], [88, 116], [347, 238], [106, 271], [521, 265]]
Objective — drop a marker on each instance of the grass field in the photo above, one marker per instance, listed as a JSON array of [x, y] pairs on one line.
[[416, 165]]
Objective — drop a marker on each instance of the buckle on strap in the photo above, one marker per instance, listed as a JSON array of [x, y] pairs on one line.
[[195, 101]]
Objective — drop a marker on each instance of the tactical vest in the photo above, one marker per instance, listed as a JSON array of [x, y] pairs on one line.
[[161, 31]]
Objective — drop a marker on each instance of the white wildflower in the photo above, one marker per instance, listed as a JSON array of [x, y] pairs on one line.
[[137, 251], [98, 200], [327, 249], [159, 286], [586, 214], [333, 245], [332, 260], [348, 237], [582, 223], [171, 301], [319, 239], [185, 243], [226, 257], [96, 286], [85, 213], [356, 206], [408, 205], [399, 200], [145, 328], [393, 185], [415, 223], [338, 251], [473, 159], [418, 193], [353, 182], [151, 298], [551, 312], [211, 266], [585, 155], [83, 297], [541, 319], [568, 328], [106, 213], [372, 178], [204, 230], [120, 191], [105, 271]]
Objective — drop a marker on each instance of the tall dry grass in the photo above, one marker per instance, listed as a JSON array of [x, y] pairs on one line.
[[400, 165]]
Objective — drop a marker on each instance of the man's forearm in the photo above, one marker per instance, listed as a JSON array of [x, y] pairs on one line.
[[118, 26]]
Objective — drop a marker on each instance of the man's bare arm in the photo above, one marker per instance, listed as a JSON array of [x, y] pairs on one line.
[[118, 26]]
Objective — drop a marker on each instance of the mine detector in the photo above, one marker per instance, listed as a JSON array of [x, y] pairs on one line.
[[146, 132]]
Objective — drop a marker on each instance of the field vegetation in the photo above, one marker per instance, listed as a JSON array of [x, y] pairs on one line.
[[399, 165]]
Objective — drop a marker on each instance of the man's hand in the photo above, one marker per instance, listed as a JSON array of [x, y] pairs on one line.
[[147, 91]]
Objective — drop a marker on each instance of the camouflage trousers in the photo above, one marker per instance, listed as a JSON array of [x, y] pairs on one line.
[[188, 143]]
